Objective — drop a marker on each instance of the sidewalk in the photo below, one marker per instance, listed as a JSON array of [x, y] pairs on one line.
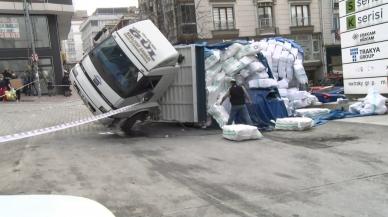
[[43, 99], [381, 120]]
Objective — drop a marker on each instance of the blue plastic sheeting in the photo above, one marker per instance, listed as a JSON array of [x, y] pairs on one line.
[[266, 106], [337, 114]]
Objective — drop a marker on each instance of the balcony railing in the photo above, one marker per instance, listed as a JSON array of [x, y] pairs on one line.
[[265, 23]]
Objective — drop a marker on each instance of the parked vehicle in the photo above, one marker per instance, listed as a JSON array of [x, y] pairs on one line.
[[329, 94], [137, 65]]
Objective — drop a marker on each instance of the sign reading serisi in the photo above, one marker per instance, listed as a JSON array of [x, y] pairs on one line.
[[364, 18], [352, 6]]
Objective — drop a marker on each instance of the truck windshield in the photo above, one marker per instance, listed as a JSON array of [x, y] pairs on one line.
[[115, 67]]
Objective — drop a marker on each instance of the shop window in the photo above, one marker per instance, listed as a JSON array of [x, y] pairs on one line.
[[14, 32]]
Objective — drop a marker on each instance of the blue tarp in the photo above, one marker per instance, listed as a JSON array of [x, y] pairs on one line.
[[337, 114], [266, 106]]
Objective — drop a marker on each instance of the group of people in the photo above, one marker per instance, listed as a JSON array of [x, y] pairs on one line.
[[5, 85], [9, 91]]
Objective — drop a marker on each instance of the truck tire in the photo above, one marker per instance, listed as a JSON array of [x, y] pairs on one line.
[[127, 125]]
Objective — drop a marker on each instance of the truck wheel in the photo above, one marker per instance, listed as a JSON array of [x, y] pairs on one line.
[[127, 125]]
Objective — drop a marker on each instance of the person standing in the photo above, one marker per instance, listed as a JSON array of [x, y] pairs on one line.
[[238, 97], [66, 84]]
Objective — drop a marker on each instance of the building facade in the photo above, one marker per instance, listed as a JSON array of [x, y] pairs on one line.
[[99, 19], [72, 47], [331, 39], [176, 19], [247, 19], [51, 24]]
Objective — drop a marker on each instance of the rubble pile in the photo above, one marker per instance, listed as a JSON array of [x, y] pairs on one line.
[[269, 63]]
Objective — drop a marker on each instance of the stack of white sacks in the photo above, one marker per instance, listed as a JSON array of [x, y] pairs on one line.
[[240, 62]]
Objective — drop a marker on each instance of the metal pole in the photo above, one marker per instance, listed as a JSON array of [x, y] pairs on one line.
[[31, 33]]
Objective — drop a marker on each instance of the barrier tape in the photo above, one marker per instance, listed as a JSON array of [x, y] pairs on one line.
[[59, 127]]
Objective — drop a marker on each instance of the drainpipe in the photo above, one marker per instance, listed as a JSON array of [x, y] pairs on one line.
[[323, 48]]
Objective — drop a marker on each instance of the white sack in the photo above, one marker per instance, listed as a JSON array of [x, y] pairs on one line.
[[231, 66], [231, 51], [294, 123], [219, 114], [283, 84], [213, 59], [262, 75], [240, 132], [269, 82], [256, 67]]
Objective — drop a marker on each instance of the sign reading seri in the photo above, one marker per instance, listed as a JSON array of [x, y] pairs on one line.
[[365, 53], [362, 85], [347, 7], [373, 16], [9, 28], [365, 36]]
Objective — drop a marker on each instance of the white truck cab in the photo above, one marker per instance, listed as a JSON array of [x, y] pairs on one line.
[[134, 64]]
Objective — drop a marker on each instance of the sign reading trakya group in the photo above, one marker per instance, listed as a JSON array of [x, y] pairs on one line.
[[364, 42], [369, 52], [9, 28], [364, 36], [365, 18]]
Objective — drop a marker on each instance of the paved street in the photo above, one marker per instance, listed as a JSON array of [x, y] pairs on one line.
[[338, 169]]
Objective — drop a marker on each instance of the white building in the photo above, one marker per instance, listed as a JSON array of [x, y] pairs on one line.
[[73, 45], [99, 19]]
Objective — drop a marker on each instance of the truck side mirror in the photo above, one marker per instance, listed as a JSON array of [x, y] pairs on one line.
[[147, 96]]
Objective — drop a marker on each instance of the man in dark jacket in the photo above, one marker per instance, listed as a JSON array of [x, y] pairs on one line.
[[238, 96]]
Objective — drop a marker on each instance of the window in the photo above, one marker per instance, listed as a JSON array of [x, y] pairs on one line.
[[223, 18], [14, 32], [188, 21], [115, 67], [300, 15], [264, 12], [336, 22]]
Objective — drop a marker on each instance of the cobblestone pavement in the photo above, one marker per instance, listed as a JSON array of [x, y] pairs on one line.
[[338, 169]]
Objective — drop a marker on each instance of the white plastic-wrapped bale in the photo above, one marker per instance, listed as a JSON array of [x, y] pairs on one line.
[[246, 60], [231, 51], [283, 64], [290, 67], [276, 57], [266, 83], [287, 46], [241, 132], [256, 67], [213, 59], [212, 72], [299, 72], [262, 75], [248, 50], [232, 66], [283, 84], [312, 112], [294, 124], [245, 73], [219, 114]]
